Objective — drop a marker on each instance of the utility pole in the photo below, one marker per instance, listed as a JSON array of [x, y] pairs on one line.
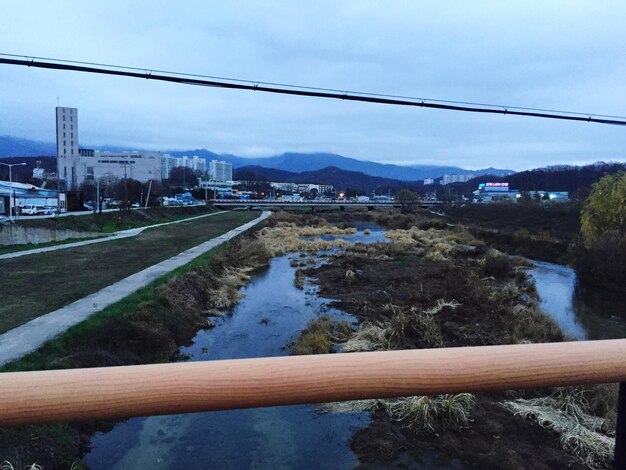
[[97, 202]]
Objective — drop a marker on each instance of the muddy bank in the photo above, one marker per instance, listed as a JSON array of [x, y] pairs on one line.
[[444, 288], [492, 440]]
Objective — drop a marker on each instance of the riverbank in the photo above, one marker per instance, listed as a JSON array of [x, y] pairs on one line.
[[443, 288], [150, 326], [146, 327], [426, 287], [537, 231]]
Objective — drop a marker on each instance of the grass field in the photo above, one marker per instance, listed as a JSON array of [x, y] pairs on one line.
[[109, 222], [37, 284]]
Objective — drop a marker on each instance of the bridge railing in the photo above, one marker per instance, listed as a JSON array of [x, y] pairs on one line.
[[123, 392]]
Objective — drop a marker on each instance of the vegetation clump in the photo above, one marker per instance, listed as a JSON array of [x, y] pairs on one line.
[[567, 411], [427, 413], [406, 328], [287, 237], [320, 336]]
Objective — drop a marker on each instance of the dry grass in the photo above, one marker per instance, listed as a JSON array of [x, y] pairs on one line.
[[419, 413], [566, 411], [319, 336], [287, 237], [426, 413], [406, 328], [6, 465], [435, 245]]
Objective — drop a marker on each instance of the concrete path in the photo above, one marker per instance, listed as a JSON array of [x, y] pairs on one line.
[[30, 336], [133, 232]]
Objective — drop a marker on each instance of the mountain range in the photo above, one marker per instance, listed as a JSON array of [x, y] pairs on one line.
[[342, 180], [291, 162]]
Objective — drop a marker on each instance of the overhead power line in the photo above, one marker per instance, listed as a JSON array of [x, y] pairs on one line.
[[285, 89]]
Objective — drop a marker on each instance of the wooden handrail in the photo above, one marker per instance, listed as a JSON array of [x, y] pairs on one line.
[[122, 392]]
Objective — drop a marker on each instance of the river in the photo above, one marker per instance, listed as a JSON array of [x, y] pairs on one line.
[[581, 313], [271, 315]]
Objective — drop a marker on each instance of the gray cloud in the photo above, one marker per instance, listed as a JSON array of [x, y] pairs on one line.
[[563, 55]]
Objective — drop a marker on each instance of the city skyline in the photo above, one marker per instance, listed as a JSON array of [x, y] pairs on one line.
[[557, 56]]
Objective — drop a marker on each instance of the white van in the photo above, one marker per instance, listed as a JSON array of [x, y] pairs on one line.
[[33, 210]]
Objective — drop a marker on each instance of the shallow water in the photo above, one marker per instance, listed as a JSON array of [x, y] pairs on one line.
[[277, 437], [581, 313]]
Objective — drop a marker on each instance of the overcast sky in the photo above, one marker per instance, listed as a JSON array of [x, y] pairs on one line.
[[566, 55]]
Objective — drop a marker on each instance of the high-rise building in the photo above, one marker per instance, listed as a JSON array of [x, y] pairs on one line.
[[68, 166], [220, 171], [167, 164]]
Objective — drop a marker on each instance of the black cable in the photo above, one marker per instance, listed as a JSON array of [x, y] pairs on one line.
[[189, 79]]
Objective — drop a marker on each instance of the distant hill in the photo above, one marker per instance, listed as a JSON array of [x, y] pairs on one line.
[[294, 162], [339, 178], [15, 147], [300, 162]]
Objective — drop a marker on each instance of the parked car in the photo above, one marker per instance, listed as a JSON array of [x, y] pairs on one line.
[[36, 210]]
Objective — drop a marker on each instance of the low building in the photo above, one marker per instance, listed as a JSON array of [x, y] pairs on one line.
[[216, 189], [140, 166], [19, 195]]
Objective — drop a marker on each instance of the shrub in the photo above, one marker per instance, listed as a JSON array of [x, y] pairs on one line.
[[497, 264]]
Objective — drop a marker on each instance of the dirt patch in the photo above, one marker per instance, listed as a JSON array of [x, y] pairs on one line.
[[493, 440]]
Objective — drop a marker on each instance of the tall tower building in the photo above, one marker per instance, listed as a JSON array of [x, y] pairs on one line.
[[67, 147]]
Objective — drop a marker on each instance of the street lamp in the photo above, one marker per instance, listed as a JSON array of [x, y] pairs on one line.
[[11, 165]]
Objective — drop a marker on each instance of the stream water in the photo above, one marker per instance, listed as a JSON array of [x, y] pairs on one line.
[[268, 318], [271, 314], [581, 313]]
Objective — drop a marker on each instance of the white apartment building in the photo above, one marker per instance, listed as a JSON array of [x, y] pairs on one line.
[[220, 171], [168, 163], [447, 179]]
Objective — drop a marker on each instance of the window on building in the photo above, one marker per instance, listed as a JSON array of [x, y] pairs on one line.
[[64, 135], [63, 126], [72, 151], [64, 143], [63, 118]]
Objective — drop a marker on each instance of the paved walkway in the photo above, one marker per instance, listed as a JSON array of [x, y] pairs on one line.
[[133, 232], [30, 336]]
